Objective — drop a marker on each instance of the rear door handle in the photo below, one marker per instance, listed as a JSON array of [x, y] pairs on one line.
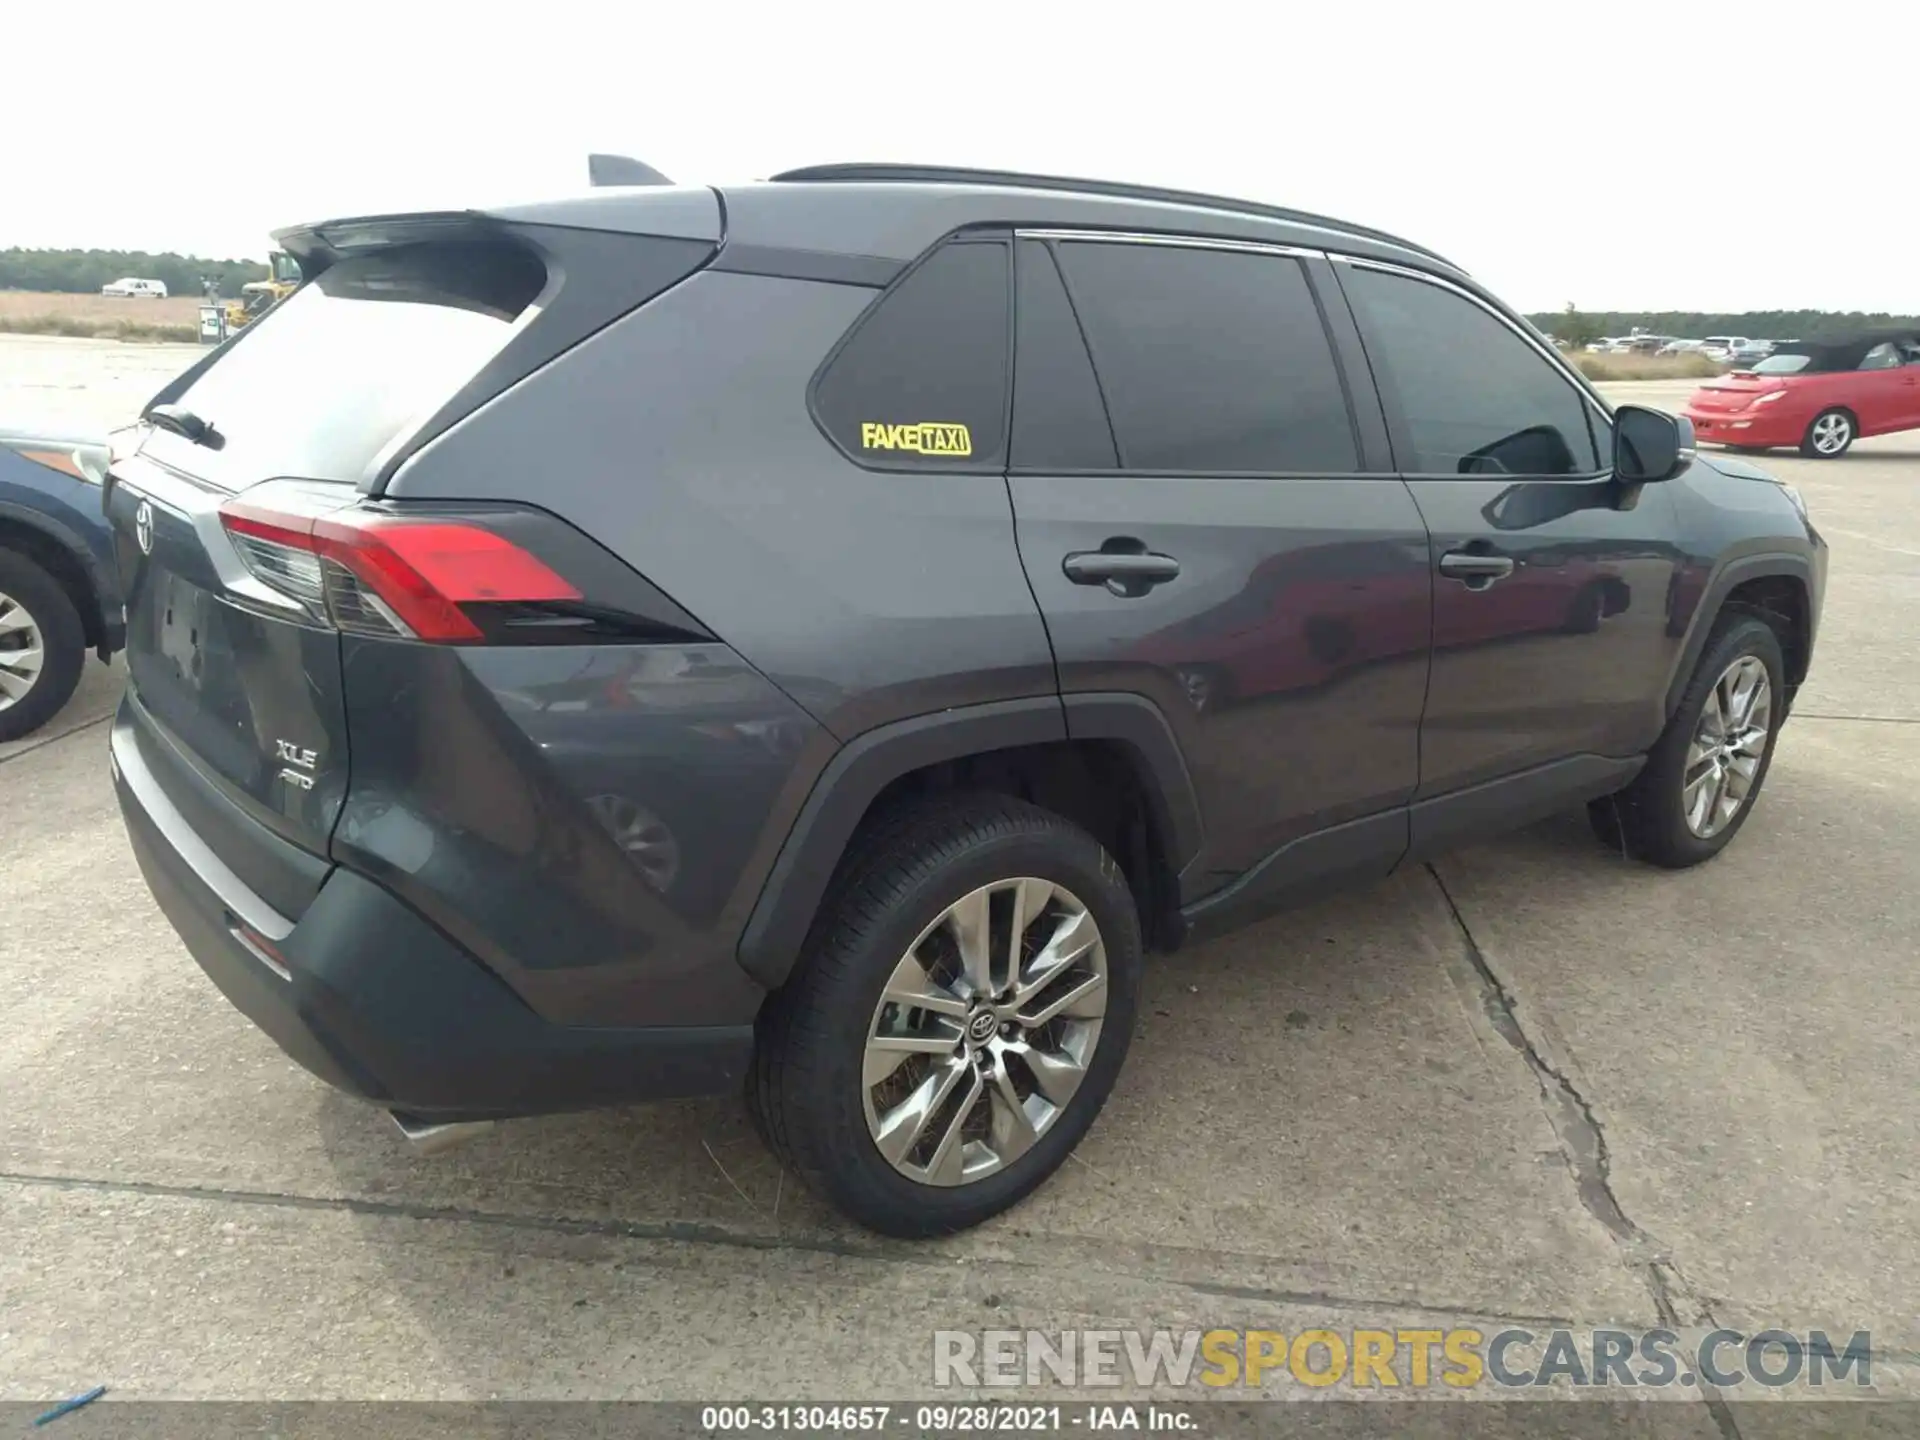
[[1477, 570], [1126, 573]]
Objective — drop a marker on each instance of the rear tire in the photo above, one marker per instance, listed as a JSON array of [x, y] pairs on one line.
[[43, 646], [1698, 788], [821, 1090], [1829, 435]]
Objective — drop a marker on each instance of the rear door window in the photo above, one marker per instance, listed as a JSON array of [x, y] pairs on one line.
[[1469, 395], [349, 361], [1059, 418], [1211, 360], [921, 381]]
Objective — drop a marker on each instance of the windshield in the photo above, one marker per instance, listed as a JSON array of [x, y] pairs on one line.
[[1782, 364]]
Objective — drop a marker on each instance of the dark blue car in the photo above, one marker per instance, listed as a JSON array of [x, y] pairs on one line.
[[58, 594]]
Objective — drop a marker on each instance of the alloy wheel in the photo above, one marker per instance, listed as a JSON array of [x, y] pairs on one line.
[[23, 651], [984, 1031], [1729, 742], [1831, 433]]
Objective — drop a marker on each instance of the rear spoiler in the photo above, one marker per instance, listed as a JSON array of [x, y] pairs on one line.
[[320, 244]]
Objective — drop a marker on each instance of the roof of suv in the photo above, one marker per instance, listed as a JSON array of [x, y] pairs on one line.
[[1185, 199], [833, 208], [889, 214]]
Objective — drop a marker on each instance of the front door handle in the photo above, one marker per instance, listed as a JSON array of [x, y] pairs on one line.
[[1128, 573], [1477, 570]]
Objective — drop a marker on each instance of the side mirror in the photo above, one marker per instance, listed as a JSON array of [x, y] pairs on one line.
[[1650, 445]]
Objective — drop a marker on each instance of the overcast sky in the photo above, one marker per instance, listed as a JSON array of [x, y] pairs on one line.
[[1619, 155]]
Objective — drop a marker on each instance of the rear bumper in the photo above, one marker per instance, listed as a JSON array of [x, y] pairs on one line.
[[377, 1002], [1736, 427]]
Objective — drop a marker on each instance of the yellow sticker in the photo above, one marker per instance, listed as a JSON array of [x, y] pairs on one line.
[[926, 437]]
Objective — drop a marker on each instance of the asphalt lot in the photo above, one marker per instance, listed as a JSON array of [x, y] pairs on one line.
[[1536, 1083]]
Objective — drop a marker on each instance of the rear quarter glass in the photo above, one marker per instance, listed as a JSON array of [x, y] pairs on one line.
[[921, 380]]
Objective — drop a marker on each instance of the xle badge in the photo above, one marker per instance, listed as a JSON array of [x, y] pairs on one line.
[[299, 756]]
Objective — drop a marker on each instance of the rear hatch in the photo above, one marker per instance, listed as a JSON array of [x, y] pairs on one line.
[[248, 543]]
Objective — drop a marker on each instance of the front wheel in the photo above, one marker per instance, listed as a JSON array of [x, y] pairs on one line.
[[958, 1020], [1705, 772], [1828, 436]]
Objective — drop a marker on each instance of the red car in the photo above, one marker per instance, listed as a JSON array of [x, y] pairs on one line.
[[1817, 394]]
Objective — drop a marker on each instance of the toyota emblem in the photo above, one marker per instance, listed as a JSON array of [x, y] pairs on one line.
[[143, 527]]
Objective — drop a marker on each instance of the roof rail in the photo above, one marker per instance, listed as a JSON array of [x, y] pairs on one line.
[[959, 175], [621, 170]]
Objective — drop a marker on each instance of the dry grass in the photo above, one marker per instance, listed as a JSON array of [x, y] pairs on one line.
[[1646, 367], [31, 312]]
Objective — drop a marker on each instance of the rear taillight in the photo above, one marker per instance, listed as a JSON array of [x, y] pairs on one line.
[[380, 573]]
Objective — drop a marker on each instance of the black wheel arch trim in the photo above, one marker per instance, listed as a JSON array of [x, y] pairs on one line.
[[797, 882], [1784, 564], [1136, 722], [98, 584]]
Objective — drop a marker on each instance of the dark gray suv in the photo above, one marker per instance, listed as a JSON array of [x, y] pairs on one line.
[[820, 634]]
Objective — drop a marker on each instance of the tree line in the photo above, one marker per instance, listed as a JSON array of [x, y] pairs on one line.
[[83, 272], [1583, 327]]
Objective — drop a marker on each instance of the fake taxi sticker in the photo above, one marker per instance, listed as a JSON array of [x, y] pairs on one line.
[[925, 437]]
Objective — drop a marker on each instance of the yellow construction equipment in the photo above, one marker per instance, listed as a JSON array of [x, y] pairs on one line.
[[259, 296]]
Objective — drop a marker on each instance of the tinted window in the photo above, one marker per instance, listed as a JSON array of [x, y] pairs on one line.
[[346, 362], [1882, 357], [1210, 359], [1059, 420], [1471, 396], [922, 380]]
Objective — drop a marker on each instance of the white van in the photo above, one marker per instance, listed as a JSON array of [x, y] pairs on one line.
[[132, 289]]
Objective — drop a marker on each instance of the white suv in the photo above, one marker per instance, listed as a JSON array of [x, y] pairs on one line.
[[132, 289]]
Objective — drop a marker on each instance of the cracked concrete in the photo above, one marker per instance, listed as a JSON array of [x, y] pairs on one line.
[[1583, 1139], [1580, 1132], [1531, 1085]]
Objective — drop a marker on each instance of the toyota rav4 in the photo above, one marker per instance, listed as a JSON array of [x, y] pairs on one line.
[[819, 635]]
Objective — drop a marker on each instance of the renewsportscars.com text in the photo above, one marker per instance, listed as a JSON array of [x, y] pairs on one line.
[[1459, 1358]]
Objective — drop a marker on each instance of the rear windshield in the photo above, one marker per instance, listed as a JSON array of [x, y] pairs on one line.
[[1782, 364], [352, 359]]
